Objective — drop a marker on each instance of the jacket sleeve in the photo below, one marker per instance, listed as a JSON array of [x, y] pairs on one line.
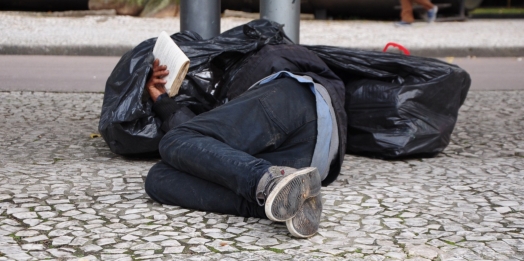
[[171, 113]]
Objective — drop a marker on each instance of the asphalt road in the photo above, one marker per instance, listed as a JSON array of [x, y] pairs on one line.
[[89, 73], [55, 73]]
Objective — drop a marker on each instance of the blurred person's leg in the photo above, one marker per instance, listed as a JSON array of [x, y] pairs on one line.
[[407, 9], [431, 9], [426, 4], [406, 13]]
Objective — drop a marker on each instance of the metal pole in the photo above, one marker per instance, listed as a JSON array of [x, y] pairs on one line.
[[201, 16], [285, 12]]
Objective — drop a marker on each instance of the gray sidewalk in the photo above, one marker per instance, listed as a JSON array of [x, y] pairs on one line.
[[65, 196], [32, 33]]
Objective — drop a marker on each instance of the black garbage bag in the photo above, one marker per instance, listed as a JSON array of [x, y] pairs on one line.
[[127, 122], [397, 106]]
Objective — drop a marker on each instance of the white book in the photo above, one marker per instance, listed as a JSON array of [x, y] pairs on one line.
[[169, 54]]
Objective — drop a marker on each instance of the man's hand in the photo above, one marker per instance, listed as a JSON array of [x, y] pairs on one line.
[[156, 84]]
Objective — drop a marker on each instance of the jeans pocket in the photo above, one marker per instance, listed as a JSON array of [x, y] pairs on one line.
[[290, 105]]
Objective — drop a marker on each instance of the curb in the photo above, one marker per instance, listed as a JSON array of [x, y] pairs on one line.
[[469, 51], [77, 50], [119, 50]]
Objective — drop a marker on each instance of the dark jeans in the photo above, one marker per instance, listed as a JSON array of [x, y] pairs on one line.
[[214, 161]]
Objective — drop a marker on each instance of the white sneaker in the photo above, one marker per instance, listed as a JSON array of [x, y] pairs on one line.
[[305, 223], [285, 190], [432, 14]]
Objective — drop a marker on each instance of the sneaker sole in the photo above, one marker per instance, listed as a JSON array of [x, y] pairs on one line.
[[289, 194], [305, 223]]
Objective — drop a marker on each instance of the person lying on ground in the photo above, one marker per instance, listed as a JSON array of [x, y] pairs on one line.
[[266, 153]]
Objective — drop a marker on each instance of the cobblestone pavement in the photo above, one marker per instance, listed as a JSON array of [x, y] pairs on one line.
[[65, 196]]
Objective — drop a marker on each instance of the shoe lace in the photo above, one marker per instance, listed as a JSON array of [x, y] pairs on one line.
[[270, 184]]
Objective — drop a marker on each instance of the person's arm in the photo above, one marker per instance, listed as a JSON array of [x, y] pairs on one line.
[[156, 83], [171, 113]]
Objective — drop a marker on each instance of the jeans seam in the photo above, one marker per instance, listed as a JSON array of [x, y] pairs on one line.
[[270, 112], [303, 140], [309, 138]]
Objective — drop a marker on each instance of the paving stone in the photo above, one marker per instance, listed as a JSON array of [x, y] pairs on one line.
[[79, 241], [59, 253], [174, 250], [114, 250], [88, 258], [424, 251], [27, 233], [266, 242], [62, 240], [15, 210], [220, 235], [47, 214], [31, 247], [8, 231], [58, 232], [129, 237], [366, 241], [91, 248], [160, 217], [170, 243], [503, 210], [481, 238], [25, 215], [246, 239], [115, 257], [64, 207], [34, 239], [457, 254], [199, 249], [41, 227], [506, 203], [222, 246], [501, 247], [40, 255], [150, 257], [194, 241], [146, 246], [105, 241], [18, 256]]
